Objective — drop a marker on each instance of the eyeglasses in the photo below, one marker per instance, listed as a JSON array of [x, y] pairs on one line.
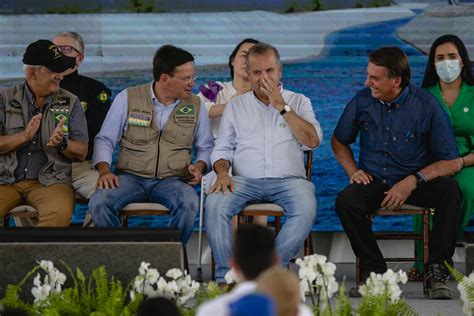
[[186, 80], [67, 49]]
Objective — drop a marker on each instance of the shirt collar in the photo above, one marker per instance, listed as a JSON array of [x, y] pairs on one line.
[[158, 103], [245, 287], [399, 100]]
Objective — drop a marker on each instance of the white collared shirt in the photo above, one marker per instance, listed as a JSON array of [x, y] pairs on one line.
[[257, 140]]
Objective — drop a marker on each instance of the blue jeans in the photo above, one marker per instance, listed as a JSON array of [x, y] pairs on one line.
[[295, 195], [179, 197]]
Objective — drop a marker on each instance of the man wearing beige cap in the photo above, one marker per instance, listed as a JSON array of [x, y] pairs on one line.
[[42, 129]]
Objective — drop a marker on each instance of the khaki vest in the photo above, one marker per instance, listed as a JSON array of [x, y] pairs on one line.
[[58, 168], [147, 151]]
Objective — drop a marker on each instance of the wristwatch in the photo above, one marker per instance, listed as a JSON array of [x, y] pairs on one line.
[[62, 145], [285, 110], [420, 179]]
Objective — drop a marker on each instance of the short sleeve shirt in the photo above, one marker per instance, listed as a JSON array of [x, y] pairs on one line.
[[400, 138]]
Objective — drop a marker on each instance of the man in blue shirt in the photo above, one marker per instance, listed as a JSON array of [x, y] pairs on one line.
[[157, 126], [407, 150], [263, 134]]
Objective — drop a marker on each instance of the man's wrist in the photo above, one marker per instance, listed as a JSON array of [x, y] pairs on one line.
[[62, 146], [421, 179]]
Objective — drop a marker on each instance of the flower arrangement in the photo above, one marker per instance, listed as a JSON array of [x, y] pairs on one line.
[[317, 276], [98, 295], [180, 288], [381, 295]]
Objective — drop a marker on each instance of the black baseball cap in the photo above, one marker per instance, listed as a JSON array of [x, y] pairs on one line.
[[46, 53]]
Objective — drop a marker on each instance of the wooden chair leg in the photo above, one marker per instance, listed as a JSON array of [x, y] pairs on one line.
[[357, 271], [308, 245], [124, 221], [277, 223], [213, 267], [426, 241], [6, 221], [185, 259]]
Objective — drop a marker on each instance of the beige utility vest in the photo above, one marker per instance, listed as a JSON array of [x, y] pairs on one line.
[[58, 168], [149, 152]]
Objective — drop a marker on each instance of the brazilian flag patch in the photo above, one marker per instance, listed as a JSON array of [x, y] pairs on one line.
[[186, 110], [103, 96], [58, 116], [185, 114]]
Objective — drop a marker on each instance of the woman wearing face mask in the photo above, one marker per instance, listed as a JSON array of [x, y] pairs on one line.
[[215, 95], [448, 76]]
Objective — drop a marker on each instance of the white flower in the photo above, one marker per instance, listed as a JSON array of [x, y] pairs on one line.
[[318, 274], [143, 267], [40, 291], [46, 265], [162, 285], [152, 276], [307, 273], [230, 277], [180, 288], [174, 273], [378, 284]]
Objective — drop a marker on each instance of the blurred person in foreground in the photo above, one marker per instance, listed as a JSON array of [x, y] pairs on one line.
[[254, 252]]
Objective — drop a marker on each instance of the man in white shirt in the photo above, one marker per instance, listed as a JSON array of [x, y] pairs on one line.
[[254, 252], [262, 135]]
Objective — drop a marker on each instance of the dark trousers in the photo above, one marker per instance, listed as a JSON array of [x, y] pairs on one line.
[[357, 201]]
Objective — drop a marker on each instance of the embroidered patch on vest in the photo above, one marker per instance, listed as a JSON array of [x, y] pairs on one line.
[[61, 114], [103, 96], [84, 105], [185, 114], [139, 118]]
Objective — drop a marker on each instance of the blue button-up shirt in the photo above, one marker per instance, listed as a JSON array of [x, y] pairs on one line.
[[116, 122], [400, 138]]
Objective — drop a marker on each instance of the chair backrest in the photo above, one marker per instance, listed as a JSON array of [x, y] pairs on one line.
[[309, 164]]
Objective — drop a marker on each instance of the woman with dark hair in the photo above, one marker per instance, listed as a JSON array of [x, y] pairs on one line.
[[215, 95], [448, 76]]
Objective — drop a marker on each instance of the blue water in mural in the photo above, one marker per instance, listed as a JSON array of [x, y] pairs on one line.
[[330, 82]]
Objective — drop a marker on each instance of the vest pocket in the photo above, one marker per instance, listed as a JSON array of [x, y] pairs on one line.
[[136, 165], [14, 121], [177, 164], [182, 134]]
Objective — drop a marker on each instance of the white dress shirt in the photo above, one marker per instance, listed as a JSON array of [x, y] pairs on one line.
[[256, 139]]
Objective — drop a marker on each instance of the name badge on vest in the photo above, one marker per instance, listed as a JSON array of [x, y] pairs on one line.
[[139, 118], [61, 114], [185, 114]]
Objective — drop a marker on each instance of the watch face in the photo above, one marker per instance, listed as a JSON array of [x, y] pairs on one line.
[[287, 108]]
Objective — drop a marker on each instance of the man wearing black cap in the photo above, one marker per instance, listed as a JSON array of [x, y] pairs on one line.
[[42, 129], [95, 100]]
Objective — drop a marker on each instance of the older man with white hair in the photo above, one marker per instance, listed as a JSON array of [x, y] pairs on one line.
[[42, 129]]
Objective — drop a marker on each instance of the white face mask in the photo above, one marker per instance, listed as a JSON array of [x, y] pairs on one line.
[[448, 70]]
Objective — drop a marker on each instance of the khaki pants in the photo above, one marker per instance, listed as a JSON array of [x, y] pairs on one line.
[[84, 178], [55, 203]]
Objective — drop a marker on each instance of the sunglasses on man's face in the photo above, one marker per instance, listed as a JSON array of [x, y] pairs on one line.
[[67, 49]]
